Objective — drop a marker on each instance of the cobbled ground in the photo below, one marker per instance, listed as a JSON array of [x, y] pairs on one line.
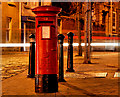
[[13, 63]]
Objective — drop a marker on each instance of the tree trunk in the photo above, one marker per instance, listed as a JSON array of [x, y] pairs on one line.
[[79, 36], [79, 31], [88, 30]]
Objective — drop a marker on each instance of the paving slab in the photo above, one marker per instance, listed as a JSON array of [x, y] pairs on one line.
[[21, 85], [99, 79]]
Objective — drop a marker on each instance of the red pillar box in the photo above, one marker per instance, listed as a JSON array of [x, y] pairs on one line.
[[46, 49]]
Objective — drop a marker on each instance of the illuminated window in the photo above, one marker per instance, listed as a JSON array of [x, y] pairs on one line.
[[114, 21], [119, 22], [8, 28]]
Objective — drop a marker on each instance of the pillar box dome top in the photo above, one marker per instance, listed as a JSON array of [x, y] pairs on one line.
[[46, 10]]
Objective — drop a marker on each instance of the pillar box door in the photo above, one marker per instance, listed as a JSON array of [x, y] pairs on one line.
[[46, 49]]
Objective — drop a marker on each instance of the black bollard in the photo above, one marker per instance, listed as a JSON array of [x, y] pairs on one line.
[[61, 59], [70, 53], [31, 69]]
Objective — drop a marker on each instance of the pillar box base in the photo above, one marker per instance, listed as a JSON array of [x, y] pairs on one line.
[[70, 70], [46, 83]]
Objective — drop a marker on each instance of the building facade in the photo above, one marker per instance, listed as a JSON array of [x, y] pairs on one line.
[[18, 22], [27, 22], [11, 31], [105, 17], [105, 20]]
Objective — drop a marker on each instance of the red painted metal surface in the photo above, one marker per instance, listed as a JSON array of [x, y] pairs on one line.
[[46, 48]]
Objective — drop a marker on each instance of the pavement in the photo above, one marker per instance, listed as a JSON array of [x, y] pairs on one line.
[[99, 79]]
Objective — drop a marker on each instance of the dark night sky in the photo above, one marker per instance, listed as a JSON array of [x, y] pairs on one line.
[[67, 8]]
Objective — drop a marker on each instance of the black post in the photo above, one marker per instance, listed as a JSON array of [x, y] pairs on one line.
[[31, 69], [70, 53], [61, 59]]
